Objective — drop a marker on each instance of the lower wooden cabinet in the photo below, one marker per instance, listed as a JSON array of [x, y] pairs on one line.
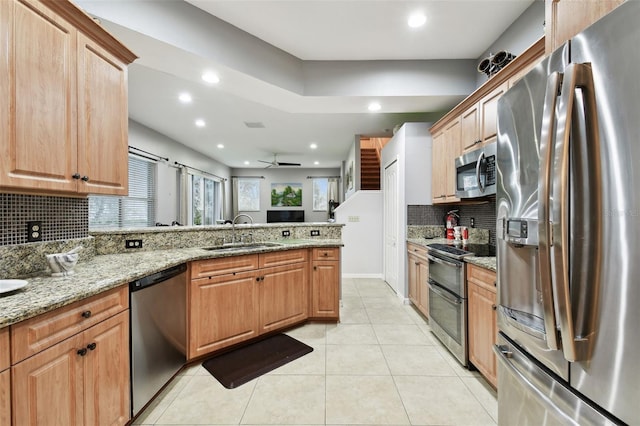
[[222, 312], [418, 277], [482, 321], [226, 307], [283, 296], [81, 380], [5, 398], [5, 378]]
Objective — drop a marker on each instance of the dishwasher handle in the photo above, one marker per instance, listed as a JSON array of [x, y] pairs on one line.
[[157, 278]]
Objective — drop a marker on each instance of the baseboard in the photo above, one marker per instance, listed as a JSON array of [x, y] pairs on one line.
[[378, 276]]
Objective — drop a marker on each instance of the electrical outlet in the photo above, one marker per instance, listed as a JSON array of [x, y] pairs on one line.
[[473, 222], [132, 244], [286, 233], [354, 218], [34, 231], [315, 232]]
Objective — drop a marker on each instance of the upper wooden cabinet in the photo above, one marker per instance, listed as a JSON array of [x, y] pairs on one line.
[[473, 123], [63, 101], [446, 147], [566, 18]]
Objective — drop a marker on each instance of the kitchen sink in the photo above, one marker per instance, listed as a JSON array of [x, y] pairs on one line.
[[242, 246]]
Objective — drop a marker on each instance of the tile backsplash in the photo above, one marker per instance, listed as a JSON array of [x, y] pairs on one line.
[[62, 218], [484, 215]]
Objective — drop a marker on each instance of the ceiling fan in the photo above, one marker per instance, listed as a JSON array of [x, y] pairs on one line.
[[276, 163]]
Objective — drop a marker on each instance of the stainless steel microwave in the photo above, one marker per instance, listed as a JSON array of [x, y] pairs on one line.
[[476, 172]]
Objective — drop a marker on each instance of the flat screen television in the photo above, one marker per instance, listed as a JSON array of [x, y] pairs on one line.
[[274, 216]]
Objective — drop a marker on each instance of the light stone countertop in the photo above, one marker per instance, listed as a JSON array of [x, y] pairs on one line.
[[104, 272], [484, 262]]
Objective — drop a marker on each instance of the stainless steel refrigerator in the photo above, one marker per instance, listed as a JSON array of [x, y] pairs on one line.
[[568, 232]]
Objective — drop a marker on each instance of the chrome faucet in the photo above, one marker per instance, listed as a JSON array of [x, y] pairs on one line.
[[233, 226]]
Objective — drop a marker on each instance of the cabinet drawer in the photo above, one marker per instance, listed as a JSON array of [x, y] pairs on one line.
[[35, 334], [226, 265], [417, 250], [4, 348], [481, 276], [326, 253], [277, 258]]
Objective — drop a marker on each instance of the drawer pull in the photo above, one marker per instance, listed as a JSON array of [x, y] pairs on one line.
[[82, 352], [325, 254], [91, 346], [86, 314]]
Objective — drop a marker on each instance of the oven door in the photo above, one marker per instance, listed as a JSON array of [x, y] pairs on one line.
[[447, 319], [448, 274]]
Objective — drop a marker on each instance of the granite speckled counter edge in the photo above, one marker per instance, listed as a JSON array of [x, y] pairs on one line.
[[104, 272]]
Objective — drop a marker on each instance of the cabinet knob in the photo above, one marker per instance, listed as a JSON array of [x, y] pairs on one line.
[[315, 268], [495, 283], [493, 307], [82, 352], [76, 175], [86, 314], [257, 278], [91, 346], [85, 178]]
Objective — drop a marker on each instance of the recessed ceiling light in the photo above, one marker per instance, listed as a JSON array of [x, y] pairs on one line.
[[313, 146], [374, 106], [210, 77], [200, 122], [220, 146], [185, 98], [316, 162], [417, 20], [246, 163]]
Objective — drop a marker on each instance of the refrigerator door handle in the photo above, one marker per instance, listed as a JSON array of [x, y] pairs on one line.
[[575, 347], [544, 188], [478, 163]]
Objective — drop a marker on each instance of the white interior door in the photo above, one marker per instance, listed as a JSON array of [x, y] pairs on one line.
[[391, 225]]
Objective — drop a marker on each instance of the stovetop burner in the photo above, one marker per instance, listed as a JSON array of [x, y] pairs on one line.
[[459, 252]]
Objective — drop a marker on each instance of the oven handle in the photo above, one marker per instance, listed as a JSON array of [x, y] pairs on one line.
[[449, 298], [478, 163], [443, 262]]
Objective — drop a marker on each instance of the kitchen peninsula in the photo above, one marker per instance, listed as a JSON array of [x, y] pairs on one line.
[[55, 323]]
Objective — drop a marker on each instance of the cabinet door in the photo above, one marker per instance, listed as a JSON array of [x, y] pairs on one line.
[[284, 297], [438, 169], [37, 98], [47, 389], [470, 128], [566, 18], [423, 287], [482, 331], [106, 372], [5, 398], [413, 278], [489, 112], [453, 149], [223, 311], [325, 290], [102, 120]]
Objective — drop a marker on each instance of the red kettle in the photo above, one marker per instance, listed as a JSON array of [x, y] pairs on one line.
[[450, 220]]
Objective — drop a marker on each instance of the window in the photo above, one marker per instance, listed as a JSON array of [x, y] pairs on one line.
[[206, 202], [320, 186], [248, 194], [135, 210]]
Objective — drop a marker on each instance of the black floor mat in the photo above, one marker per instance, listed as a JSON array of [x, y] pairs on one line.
[[241, 365]]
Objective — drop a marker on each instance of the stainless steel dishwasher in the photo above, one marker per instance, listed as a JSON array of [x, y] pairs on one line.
[[158, 332]]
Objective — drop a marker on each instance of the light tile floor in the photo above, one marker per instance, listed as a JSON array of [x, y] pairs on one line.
[[379, 366]]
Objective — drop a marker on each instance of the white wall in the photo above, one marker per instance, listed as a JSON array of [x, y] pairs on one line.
[[411, 146], [362, 251], [287, 175], [149, 140]]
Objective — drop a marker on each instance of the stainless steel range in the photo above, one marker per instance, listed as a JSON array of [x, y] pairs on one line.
[[448, 297]]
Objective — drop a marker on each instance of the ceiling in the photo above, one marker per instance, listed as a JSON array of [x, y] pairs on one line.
[[305, 69]]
